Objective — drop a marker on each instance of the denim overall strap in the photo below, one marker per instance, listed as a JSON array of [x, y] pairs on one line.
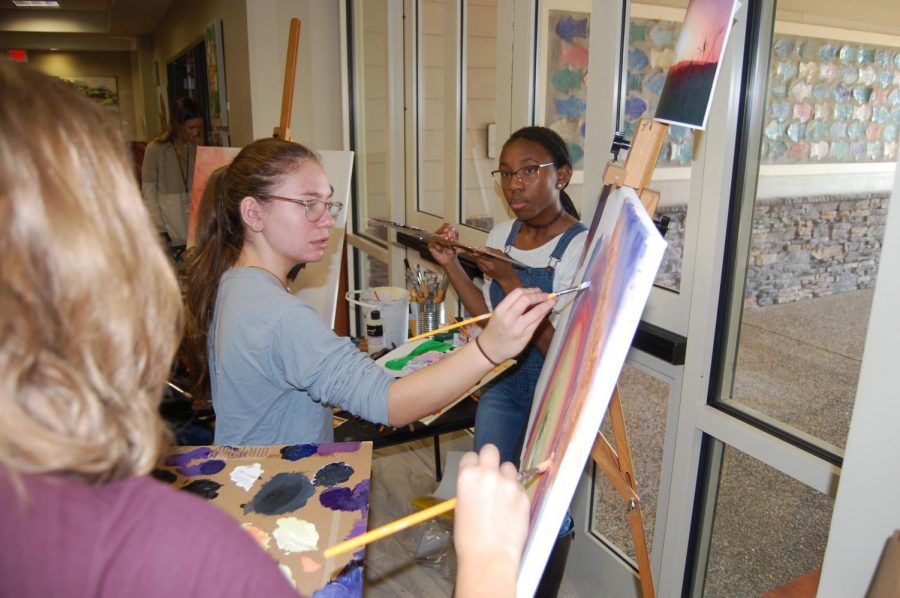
[[541, 277], [563, 244]]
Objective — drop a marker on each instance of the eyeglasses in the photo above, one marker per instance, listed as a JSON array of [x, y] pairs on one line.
[[525, 175], [315, 208]]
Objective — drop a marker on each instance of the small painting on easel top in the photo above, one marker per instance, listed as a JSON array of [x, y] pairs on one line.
[[690, 81]]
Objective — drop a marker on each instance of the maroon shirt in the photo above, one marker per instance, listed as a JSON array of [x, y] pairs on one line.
[[132, 538]]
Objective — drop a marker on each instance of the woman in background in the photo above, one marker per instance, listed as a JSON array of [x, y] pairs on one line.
[[167, 172], [89, 314]]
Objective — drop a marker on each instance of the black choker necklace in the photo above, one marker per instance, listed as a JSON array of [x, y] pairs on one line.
[[546, 224]]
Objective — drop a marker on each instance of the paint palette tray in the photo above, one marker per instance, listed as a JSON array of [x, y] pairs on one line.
[[295, 500]]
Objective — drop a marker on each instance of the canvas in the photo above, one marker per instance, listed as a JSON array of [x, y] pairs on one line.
[[295, 500], [317, 283], [583, 365], [690, 81]]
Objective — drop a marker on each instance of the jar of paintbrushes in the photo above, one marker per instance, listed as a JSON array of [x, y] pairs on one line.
[[427, 290]]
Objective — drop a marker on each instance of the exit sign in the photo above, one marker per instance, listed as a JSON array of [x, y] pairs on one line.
[[17, 55]]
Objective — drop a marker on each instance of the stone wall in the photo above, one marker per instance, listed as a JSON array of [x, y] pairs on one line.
[[801, 247]]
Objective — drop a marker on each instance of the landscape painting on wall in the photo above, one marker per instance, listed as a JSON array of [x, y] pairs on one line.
[[102, 90], [690, 81], [583, 365]]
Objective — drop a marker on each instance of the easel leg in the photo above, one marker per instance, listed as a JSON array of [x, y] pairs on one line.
[[617, 466]]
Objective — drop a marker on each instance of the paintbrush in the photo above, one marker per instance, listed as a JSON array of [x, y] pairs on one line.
[[573, 289], [403, 523]]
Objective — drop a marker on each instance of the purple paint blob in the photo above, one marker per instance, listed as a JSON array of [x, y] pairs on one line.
[[334, 448], [344, 499], [333, 474], [208, 489], [210, 467], [185, 458], [284, 493], [348, 583], [295, 452], [358, 529]]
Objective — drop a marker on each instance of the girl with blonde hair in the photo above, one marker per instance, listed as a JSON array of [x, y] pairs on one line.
[[89, 324]]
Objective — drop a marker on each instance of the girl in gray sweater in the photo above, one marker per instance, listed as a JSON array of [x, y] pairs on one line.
[[273, 368]]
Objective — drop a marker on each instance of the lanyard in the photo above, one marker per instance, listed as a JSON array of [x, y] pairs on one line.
[[187, 156]]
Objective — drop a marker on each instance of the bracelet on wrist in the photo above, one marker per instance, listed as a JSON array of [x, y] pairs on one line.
[[480, 348]]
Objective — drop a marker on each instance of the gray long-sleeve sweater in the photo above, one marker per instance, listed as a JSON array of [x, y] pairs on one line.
[[276, 370]]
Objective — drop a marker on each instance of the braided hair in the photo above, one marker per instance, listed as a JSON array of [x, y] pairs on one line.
[[553, 143]]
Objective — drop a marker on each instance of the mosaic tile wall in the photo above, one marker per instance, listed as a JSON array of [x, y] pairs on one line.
[[831, 102], [828, 101]]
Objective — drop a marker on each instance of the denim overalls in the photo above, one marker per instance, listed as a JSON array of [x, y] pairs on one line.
[[505, 404]]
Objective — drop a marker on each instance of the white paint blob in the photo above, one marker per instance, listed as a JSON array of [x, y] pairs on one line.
[[246, 475], [295, 535]]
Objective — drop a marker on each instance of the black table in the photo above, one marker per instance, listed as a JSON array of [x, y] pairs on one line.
[[459, 417]]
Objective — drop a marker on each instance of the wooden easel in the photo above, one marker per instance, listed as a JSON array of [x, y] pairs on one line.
[[616, 463], [283, 130]]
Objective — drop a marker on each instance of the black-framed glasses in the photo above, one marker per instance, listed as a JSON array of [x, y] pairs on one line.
[[315, 208], [525, 175]]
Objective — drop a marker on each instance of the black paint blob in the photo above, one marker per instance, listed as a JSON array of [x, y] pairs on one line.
[[164, 475], [333, 473], [295, 452], [284, 493], [208, 489]]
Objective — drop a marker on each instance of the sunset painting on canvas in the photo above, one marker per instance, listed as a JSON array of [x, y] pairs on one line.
[[686, 95], [582, 366]]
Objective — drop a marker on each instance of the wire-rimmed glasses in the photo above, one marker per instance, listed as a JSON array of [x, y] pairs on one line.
[[525, 175], [315, 208]]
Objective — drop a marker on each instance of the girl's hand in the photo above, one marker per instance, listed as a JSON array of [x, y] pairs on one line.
[[444, 254], [490, 525], [514, 321], [499, 270]]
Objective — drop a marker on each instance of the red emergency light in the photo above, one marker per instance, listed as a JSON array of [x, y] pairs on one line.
[[17, 55]]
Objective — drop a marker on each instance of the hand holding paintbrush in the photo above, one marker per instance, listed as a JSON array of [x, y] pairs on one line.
[[489, 496], [573, 289]]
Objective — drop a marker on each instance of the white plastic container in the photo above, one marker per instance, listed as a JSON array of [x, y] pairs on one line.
[[393, 304]]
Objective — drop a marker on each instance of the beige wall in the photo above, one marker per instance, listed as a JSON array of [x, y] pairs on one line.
[[94, 64], [181, 28], [255, 36], [317, 115]]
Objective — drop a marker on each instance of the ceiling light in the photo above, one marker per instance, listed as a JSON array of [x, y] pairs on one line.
[[36, 3]]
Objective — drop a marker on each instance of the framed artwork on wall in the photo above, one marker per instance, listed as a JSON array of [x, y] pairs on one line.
[[561, 99], [215, 81], [103, 90]]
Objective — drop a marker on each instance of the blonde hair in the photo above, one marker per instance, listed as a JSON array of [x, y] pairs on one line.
[[89, 304]]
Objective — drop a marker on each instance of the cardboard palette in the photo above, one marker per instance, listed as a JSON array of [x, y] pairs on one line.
[[295, 500]]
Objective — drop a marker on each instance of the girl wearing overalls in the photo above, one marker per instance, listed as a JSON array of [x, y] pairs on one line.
[[548, 237]]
